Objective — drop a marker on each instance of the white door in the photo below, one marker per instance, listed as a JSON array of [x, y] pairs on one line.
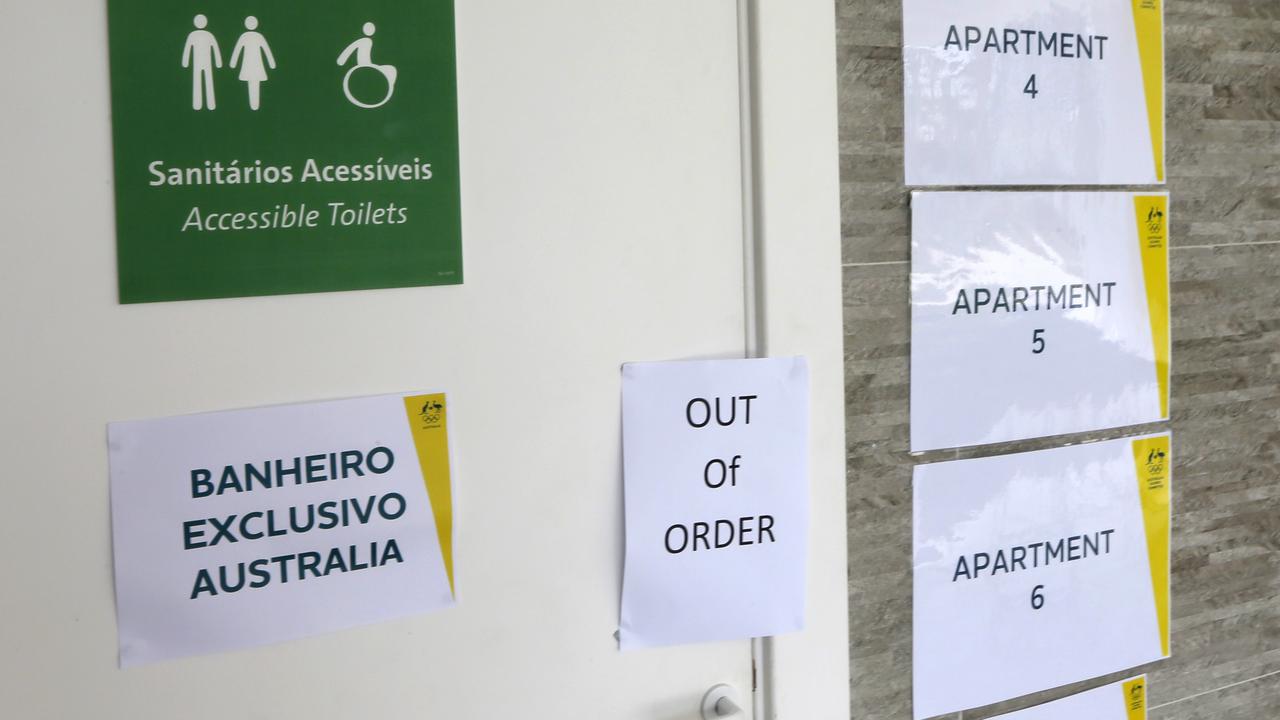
[[603, 223]]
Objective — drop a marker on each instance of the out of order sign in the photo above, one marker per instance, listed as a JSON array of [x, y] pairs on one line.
[[1037, 570], [1009, 92], [1037, 314], [715, 458]]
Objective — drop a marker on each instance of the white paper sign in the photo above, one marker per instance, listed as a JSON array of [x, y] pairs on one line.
[[1038, 570], [1036, 314], [717, 516], [248, 527], [1030, 92], [1125, 700]]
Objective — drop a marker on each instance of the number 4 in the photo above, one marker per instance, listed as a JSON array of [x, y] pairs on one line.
[[1030, 87]]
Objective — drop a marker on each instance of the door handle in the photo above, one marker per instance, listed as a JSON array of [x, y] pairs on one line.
[[721, 702]]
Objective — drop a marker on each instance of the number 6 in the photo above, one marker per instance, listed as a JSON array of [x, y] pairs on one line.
[[1037, 597]]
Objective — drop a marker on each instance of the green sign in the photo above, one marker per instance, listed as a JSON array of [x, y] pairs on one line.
[[265, 147]]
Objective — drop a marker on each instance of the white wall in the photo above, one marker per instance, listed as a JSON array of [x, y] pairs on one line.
[[799, 222], [602, 223]]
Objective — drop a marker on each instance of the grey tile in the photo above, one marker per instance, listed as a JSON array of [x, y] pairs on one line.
[[1223, 116], [1256, 700]]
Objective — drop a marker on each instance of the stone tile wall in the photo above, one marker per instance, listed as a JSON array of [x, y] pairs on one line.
[[1223, 70]]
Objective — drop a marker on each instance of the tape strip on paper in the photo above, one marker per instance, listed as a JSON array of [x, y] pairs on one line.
[[1153, 459], [1152, 214], [428, 422]]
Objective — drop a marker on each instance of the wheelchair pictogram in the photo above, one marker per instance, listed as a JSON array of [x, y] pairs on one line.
[[362, 49]]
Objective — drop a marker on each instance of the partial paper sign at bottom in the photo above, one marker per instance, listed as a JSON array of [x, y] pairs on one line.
[[1126, 700]]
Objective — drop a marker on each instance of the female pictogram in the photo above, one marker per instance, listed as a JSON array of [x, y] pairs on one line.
[[363, 51], [253, 55]]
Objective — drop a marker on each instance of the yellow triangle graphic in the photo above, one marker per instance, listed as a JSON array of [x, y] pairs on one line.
[[428, 423], [1153, 461], [1148, 20], [1135, 698], [1152, 214]]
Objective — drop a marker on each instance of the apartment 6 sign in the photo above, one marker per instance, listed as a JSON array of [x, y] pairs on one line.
[[1039, 569], [715, 459]]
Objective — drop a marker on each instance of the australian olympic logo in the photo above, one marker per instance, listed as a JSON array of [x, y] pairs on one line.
[[1155, 221], [1156, 462], [431, 413]]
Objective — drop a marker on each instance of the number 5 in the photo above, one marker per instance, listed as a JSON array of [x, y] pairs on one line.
[[1037, 341]]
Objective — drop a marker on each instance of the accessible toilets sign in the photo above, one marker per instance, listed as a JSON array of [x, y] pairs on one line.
[[1039, 569], [1031, 92], [241, 528], [265, 148], [715, 458], [1037, 314]]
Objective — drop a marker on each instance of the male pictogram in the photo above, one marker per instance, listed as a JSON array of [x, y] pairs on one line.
[[201, 54]]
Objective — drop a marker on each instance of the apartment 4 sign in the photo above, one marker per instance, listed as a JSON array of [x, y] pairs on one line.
[[1005, 92], [284, 147]]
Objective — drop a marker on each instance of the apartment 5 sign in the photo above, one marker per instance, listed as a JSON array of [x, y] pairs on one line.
[[1037, 570], [1018, 92], [246, 527], [1037, 314], [284, 147]]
